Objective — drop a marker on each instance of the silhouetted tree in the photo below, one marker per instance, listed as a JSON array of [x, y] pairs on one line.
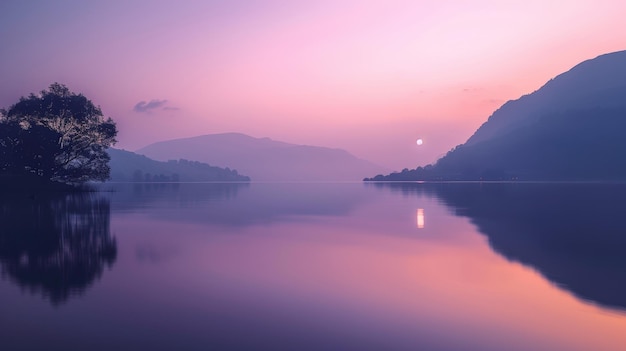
[[56, 135]]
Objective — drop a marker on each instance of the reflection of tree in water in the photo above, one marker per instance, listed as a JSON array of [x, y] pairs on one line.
[[573, 234], [56, 245]]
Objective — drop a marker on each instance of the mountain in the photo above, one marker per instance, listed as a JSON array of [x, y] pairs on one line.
[[572, 128], [264, 159], [129, 166]]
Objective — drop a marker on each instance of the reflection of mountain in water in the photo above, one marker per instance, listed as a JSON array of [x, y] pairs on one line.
[[573, 234], [238, 204], [56, 245]]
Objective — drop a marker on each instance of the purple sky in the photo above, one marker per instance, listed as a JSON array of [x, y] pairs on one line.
[[367, 76]]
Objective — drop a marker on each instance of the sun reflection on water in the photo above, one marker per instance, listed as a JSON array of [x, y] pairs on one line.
[[420, 218]]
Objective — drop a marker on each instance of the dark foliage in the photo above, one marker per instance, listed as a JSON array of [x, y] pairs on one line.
[[56, 135]]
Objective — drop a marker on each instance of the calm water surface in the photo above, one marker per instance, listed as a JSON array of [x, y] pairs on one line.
[[316, 267]]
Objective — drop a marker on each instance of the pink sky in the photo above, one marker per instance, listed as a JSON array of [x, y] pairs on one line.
[[367, 76]]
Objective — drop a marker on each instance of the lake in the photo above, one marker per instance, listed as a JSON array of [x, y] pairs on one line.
[[315, 266]]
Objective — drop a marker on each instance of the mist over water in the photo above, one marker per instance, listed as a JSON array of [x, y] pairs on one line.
[[317, 266]]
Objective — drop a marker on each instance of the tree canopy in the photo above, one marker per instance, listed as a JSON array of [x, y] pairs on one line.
[[56, 135]]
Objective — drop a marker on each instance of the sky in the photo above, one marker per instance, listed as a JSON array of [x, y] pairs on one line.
[[370, 77]]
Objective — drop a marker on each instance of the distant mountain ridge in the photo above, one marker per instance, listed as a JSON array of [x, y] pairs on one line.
[[572, 128], [264, 159]]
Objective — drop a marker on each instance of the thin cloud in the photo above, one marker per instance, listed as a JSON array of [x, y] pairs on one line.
[[145, 107], [494, 101], [472, 90]]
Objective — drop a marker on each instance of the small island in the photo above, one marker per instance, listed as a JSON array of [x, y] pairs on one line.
[[131, 167]]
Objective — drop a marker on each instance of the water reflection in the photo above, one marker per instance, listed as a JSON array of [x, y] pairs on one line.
[[55, 245], [138, 195], [237, 204], [420, 218], [324, 267], [573, 234]]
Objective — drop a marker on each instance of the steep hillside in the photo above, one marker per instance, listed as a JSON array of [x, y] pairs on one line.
[[572, 128]]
